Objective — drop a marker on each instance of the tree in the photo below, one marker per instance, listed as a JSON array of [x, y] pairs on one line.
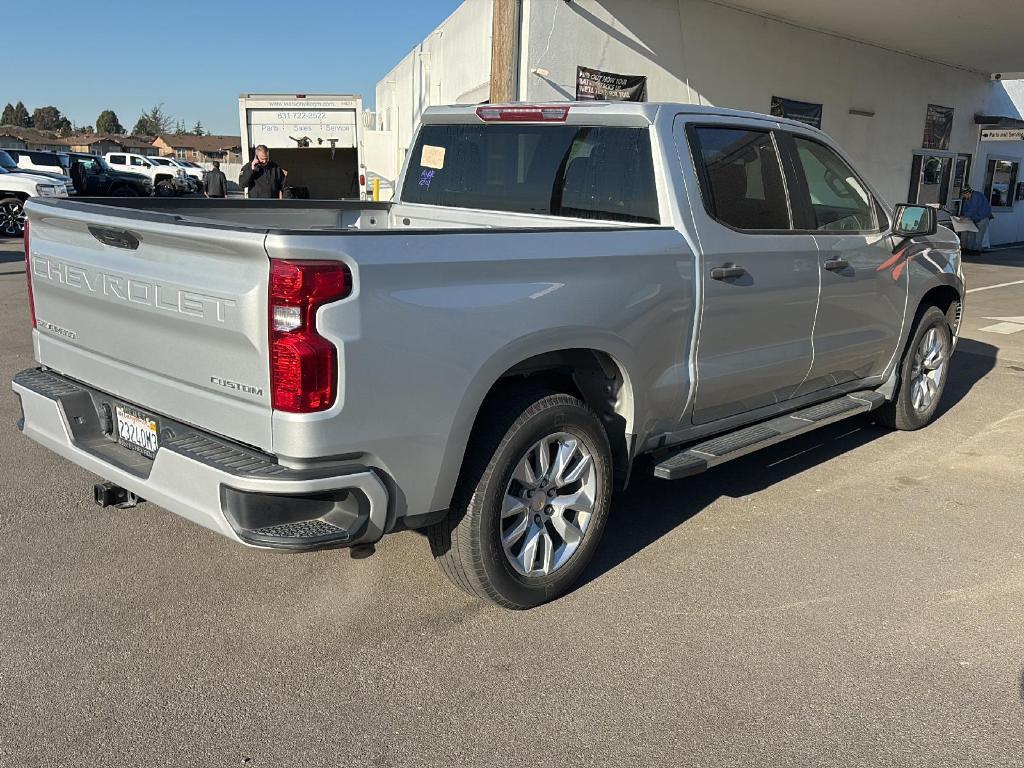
[[107, 122], [197, 129], [8, 116], [153, 122], [179, 128], [80, 129], [49, 119], [21, 116]]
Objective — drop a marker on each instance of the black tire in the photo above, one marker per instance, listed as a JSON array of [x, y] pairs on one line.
[[165, 189], [905, 411], [467, 543], [12, 217]]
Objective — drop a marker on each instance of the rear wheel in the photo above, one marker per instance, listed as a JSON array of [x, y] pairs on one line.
[[531, 503], [923, 373], [165, 189], [12, 217]]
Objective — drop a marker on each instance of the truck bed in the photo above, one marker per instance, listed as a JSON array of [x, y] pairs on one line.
[[290, 217]]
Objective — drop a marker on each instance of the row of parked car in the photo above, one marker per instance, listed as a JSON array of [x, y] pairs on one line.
[[31, 173]]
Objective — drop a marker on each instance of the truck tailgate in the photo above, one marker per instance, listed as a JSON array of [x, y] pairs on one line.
[[166, 315]]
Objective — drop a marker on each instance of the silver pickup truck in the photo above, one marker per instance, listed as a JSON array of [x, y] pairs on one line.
[[557, 291]]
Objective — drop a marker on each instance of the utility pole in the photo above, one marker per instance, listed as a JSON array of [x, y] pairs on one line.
[[505, 51]]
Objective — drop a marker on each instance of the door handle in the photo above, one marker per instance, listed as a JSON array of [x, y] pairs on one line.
[[836, 265], [728, 272]]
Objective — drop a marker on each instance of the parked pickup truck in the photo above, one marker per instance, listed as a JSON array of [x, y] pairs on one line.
[[555, 292], [167, 180]]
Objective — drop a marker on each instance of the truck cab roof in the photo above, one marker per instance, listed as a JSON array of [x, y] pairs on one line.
[[610, 112]]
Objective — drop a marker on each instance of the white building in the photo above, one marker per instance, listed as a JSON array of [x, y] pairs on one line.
[[997, 174], [873, 66]]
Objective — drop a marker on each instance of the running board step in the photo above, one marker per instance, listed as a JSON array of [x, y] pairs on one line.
[[695, 459]]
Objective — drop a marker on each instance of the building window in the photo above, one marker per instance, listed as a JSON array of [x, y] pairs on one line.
[[181, 154], [1000, 182]]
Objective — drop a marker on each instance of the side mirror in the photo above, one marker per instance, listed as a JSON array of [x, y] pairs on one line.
[[914, 221]]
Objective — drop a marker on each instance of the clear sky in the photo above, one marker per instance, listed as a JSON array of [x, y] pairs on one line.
[[197, 56]]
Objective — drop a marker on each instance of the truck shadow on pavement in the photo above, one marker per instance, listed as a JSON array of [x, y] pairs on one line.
[[13, 251], [1006, 257], [652, 508]]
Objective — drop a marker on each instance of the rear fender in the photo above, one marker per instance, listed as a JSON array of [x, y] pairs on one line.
[[503, 361]]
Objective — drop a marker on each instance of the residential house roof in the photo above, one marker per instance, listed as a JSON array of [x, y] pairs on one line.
[[31, 135], [209, 143]]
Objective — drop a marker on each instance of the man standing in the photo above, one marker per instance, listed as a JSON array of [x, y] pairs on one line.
[[262, 177], [215, 183], [976, 208]]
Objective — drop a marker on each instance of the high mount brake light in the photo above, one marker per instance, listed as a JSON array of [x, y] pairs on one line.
[[522, 114], [28, 275], [303, 364]]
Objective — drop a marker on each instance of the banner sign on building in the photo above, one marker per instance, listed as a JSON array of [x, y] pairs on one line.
[[938, 127], [804, 111], [1002, 134], [595, 85]]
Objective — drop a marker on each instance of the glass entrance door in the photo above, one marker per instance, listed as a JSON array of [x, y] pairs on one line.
[[961, 173], [930, 176]]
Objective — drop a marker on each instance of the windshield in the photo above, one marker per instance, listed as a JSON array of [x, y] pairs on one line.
[[159, 161], [7, 162], [91, 164]]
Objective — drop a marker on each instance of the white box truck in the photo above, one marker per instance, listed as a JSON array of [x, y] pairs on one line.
[[316, 138]]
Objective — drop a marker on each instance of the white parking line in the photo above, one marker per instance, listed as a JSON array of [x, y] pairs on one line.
[[990, 287], [1004, 328]]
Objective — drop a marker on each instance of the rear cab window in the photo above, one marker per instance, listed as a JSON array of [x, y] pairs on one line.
[[589, 172]]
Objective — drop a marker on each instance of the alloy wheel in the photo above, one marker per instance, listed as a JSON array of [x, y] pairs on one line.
[[928, 370], [548, 505], [12, 218]]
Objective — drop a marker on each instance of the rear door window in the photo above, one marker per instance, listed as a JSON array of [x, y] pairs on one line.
[[117, 160], [588, 172], [741, 178], [43, 158]]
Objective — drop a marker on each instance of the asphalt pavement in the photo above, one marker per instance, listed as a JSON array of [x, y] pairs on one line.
[[854, 597]]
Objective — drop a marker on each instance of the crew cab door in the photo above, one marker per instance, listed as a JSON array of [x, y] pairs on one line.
[[759, 276], [863, 286]]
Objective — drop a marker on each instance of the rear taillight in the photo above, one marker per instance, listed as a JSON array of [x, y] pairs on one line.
[[28, 277], [303, 364]]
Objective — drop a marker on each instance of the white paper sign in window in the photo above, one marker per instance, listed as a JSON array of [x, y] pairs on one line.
[[432, 157]]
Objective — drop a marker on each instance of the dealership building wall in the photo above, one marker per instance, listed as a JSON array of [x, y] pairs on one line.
[[874, 100]]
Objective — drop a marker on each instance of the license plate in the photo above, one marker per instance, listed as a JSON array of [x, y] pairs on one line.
[[137, 431]]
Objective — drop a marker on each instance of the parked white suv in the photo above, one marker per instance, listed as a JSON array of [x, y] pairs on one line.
[[49, 164], [15, 189], [167, 179]]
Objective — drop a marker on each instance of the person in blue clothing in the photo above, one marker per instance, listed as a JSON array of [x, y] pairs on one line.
[[976, 208]]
